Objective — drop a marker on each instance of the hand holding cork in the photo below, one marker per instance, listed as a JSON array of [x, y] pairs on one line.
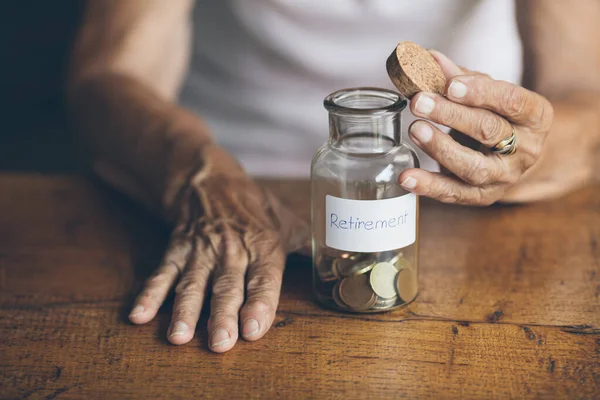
[[509, 122]]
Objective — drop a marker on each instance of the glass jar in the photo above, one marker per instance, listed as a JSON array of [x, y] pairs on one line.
[[364, 224]]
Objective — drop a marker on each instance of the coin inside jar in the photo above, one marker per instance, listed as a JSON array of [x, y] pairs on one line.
[[382, 303], [350, 267], [383, 280], [328, 275], [356, 293], [336, 296], [325, 269], [407, 284], [401, 263], [395, 258]]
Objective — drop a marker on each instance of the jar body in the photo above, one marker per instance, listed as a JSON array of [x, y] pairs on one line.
[[364, 224]]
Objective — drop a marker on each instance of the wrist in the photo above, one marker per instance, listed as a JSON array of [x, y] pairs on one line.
[[570, 157], [191, 163]]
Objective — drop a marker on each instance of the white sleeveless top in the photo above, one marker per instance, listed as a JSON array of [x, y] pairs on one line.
[[261, 68]]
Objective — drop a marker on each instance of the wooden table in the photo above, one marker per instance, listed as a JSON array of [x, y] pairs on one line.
[[509, 308]]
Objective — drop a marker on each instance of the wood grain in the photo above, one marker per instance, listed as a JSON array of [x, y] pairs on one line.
[[509, 307]]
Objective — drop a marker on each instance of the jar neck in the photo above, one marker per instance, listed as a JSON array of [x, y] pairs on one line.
[[365, 119], [374, 128]]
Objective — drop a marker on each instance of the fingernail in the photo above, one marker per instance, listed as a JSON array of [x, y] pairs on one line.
[[180, 328], [220, 338], [409, 183], [137, 310], [457, 89], [421, 131], [250, 327], [425, 104]]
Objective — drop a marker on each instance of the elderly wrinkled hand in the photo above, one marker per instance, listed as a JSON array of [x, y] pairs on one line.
[[230, 239], [488, 111]]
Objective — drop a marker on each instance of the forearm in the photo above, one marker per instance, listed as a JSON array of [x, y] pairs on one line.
[[143, 145], [561, 63], [570, 157]]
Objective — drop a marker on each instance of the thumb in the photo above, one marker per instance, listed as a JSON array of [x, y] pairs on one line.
[[294, 231], [450, 68]]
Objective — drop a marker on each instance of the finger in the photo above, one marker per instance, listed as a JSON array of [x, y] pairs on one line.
[[157, 287], [263, 289], [190, 293], [482, 125], [469, 165], [447, 189], [517, 104], [227, 294], [449, 67]]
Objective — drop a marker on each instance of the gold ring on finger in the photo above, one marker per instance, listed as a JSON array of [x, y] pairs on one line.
[[507, 146]]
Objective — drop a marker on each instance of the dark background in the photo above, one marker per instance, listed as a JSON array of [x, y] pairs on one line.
[[35, 40]]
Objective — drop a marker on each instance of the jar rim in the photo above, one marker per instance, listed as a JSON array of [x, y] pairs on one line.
[[340, 102]]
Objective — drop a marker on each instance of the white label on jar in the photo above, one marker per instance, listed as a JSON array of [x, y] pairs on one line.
[[370, 225]]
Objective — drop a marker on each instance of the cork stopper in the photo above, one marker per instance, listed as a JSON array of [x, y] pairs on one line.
[[413, 69]]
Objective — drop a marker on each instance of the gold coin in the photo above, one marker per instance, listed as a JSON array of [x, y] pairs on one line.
[[350, 267], [397, 257], [356, 293], [407, 284], [383, 280], [326, 269], [402, 263], [335, 293]]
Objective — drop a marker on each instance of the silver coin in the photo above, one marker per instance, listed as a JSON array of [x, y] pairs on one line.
[[383, 280], [383, 304]]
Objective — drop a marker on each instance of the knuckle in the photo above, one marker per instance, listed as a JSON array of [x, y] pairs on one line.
[[546, 114], [220, 315], [174, 265], [183, 312], [445, 151], [264, 282], [479, 89], [479, 172], [267, 239], [510, 177], [228, 286], [233, 248], [158, 280], [189, 287], [446, 194], [449, 113], [514, 102], [485, 199], [259, 307], [451, 197], [147, 295], [491, 128], [490, 195]]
